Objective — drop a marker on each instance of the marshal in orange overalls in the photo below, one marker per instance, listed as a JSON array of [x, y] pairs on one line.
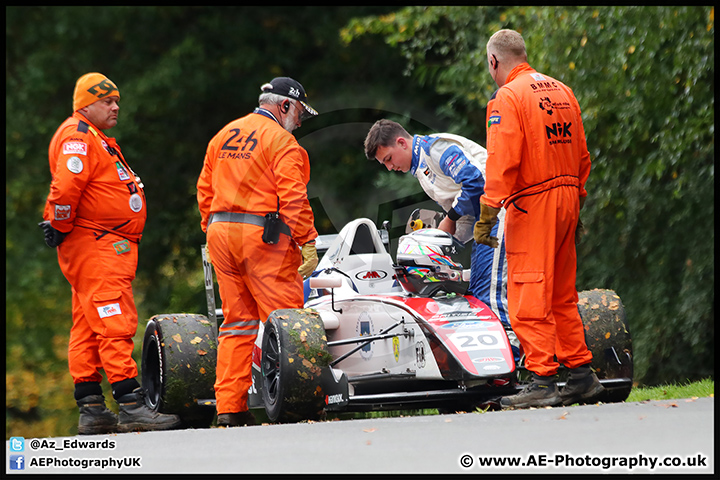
[[537, 167], [96, 197], [252, 166]]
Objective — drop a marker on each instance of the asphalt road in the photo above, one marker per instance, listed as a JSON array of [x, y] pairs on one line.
[[632, 437]]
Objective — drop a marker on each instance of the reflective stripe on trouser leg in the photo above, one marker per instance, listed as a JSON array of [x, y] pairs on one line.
[[234, 368]]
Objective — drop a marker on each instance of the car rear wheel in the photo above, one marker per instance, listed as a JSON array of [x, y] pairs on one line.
[[179, 356], [294, 352]]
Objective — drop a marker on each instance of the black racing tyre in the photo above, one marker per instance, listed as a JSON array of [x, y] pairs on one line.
[[179, 356], [294, 352], [608, 338]]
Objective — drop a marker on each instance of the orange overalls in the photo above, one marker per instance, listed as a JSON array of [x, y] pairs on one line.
[[96, 197], [252, 166], [537, 167]]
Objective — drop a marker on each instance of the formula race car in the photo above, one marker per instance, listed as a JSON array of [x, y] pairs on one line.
[[375, 334]]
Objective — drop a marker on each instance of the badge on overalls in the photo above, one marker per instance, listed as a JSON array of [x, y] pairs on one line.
[[123, 246], [122, 173]]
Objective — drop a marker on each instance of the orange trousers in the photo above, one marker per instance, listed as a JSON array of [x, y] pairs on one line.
[[105, 319], [542, 268], [254, 279]]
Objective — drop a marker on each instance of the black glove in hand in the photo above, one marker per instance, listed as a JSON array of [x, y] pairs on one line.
[[53, 237]]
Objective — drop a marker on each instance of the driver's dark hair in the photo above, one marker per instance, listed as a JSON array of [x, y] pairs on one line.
[[383, 134]]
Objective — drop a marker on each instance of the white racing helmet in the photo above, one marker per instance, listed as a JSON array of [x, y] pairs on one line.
[[424, 263]]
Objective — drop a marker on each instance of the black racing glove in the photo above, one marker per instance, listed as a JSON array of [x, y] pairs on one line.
[[53, 237]]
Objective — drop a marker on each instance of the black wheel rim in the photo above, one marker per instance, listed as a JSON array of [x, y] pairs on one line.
[[271, 366], [152, 374]]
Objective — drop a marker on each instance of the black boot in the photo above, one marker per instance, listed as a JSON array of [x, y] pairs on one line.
[[542, 392], [95, 418], [582, 386], [135, 415], [240, 419]]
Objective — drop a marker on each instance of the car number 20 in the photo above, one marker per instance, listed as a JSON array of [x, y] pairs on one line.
[[466, 341]]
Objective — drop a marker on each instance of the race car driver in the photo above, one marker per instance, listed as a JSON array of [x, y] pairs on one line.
[[95, 215], [537, 166], [451, 171], [252, 197]]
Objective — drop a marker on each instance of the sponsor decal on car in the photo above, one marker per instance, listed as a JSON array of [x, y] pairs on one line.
[[488, 360], [420, 354], [364, 327], [333, 399], [457, 325], [371, 275]]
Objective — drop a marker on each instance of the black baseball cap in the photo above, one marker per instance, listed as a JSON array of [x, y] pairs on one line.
[[287, 87]]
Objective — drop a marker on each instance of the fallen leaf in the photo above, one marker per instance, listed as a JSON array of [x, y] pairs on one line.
[[369, 430], [202, 370], [563, 416], [177, 338], [202, 352], [196, 340], [607, 335]]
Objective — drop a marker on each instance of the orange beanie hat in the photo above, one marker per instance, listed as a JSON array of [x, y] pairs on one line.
[[90, 88]]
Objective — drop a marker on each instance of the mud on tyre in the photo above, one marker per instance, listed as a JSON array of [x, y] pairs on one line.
[[294, 352], [608, 338], [178, 366]]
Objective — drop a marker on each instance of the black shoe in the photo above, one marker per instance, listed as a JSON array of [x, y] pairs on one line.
[[542, 392], [136, 416], [582, 386], [95, 417], [240, 419]]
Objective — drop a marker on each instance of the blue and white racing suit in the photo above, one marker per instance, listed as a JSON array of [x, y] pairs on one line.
[[451, 170]]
